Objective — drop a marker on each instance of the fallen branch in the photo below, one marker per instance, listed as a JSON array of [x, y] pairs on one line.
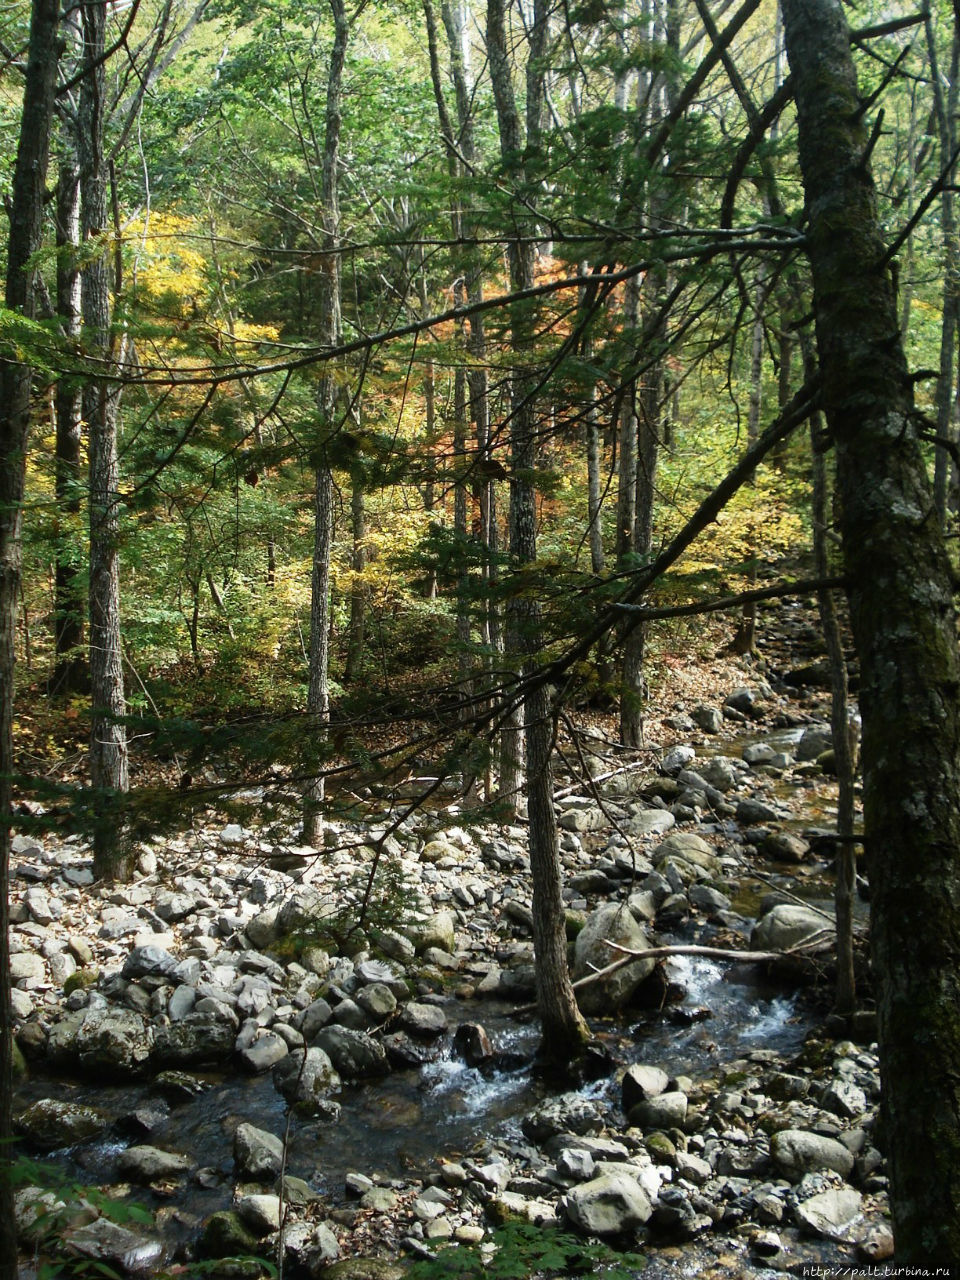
[[809, 946]]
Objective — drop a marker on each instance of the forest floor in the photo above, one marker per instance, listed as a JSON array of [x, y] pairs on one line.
[[218, 1051]]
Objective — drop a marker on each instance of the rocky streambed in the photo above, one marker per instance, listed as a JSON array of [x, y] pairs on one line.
[[190, 1049]]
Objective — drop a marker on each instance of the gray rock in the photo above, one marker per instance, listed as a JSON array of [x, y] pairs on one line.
[[50, 1124], [199, 1037], [130, 1252], [260, 1213], [377, 1000], [796, 1152], [815, 739], [261, 929], [641, 1082], [782, 846], [642, 905], [114, 1042], [750, 811], [380, 973], [353, 1053], [720, 771], [568, 1113], [689, 847], [472, 1043], [615, 923], [743, 700], [785, 926], [424, 1020], [608, 1206], [349, 1014], [664, 1111], [582, 820], [758, 753], [438, 931], [257, 1154], [307, 1085], [844, 1098], [149, 961], [27, 969], [181, 1002], [264, 1053], [707, 899], [308, 1248], [707, 718], [575, 1164], [313, 1018], [833, 1214], [649, 822], [677, 758], [149, 1164], [173, 907]]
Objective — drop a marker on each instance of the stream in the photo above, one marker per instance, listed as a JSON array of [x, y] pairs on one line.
[[400, 1126]]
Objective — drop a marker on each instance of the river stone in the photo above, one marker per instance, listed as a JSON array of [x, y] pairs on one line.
[[380, 973], [677, 758], [424, 1020], [782, 846], [260, 1213], [707, 718], [608, 1205], [614, 922], [568, 1113], [649, 822], [181, 1003], [308, 1248], [199, 1037], [472, 1043], [365, 1269], [225, 1235], [148, 962], [61, 1045], [148, 1164], [815, 739], [720, 772], [257, 1154], [641, 1082], [664, 1111], [582, 820], [785, 926], [751, 811], [844, 1098], [50, 1124], [758, 753], [691, 848], [796, 1152], [114, 1042], [261, 929], [119, 1247], [172, 906], [264, 1053], [437, 931], [27, 967], [393, 944], [305, 1085], [832, 1214], [377, 1000], [353, 1053]]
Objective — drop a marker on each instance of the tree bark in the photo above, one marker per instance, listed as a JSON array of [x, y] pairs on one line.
[[900, 591], [563, 1028], [109, 764], [318, 693], [26, 225]]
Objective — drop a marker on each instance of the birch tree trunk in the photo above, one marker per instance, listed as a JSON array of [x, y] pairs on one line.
[[901, 604], [26, 225], [318, 693]]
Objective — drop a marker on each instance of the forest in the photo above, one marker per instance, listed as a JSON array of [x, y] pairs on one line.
[[478, 512]]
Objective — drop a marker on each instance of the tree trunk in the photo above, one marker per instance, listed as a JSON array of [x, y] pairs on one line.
[[318, 693], [109, 765], [358, 594], [69, 605], [26, 225], [563, 1029], [901, 604]]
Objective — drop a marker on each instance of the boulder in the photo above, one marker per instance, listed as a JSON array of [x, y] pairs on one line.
[[148, 962], [649, 822], [199, 1037], [719, 771], [260, 1213], [568, 1113], [833, 1214], [114, 1042], [641, 1082], [751, 811], [50, 1124], [613, 922], [689, 847], [306, 1084], [664, 1111], [225, 1235], [265, 1052], [815, 739], [608, 1205], [149, 1164], [424, 1020], [438, 930], [796, 1152], [707, 718], [782, 846], [132, 1253], [787, 925], [353, 1054], [257, 1154], [677, 758]]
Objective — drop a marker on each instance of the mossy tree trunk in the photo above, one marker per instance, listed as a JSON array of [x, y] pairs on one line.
[[901, 604]]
